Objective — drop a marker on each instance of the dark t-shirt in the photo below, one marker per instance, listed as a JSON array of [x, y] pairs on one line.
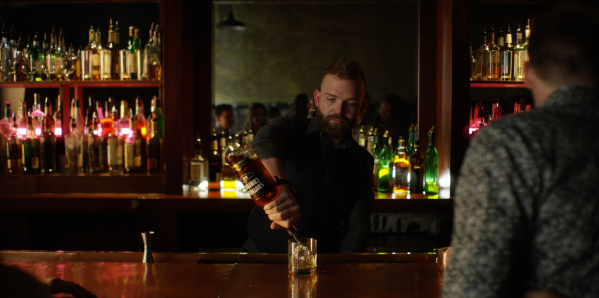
[[333, 184]]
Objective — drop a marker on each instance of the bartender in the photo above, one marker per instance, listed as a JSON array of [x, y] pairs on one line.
[[329, 196]]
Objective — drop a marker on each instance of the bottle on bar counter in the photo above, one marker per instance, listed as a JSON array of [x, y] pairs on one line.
[[48, 142], [124, 124], [96, 56], [198, 167], [93, 144], [154, 150], [157, 114], [109, 56], [401, 168], [385, 175], [130, 164], [506, 59], [431, 164], [139, 118], [215, 160], [14, 155], [74, 151], [519, 56], [51, 59], [227, 176], [87, 55], [37, 115], [31, 150], [416, 169], [115, 146]]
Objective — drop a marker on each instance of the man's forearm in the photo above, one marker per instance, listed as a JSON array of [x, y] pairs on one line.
[[275, 167]]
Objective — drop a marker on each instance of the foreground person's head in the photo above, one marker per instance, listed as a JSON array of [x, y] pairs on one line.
[[561, 51], [340, 98]]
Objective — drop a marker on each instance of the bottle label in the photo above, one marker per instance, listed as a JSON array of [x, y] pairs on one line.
[[215, 145], [38, 66], [35, 162], [129, 156], [95, 64], [133, 63], [508, 38], [253, 184], [238, 167], [107, 65], [112, 155], [138, 161], [152, 163], [119, 155], [197, 171]]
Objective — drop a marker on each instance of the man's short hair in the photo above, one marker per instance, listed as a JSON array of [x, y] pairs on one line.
[[346, 69], [562, 47], [221, 108]]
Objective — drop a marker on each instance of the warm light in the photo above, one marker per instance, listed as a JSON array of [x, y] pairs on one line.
[[99, 130], [95, 132], [444, 184], [21, 131], [38, 131], [204, 185], [125, 131], [143, 131], [58, 131]]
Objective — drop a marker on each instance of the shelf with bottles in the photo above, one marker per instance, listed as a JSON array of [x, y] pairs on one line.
[[84, 84], [497, 85]]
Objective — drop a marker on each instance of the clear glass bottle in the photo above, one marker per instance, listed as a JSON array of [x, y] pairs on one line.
[[92, 144], [96, 56], [416, 169], [519, 57], [22, 120], [491, 58], [6, 125], [431, 164], [145, 64], [139, 118], [198, 176], [479, 58], [51, 59], [74, 151], [401, 168], [108, 56], [59, 58], [385, 174], [87, 57], [38, 57], [58, 118], [124, 124], [506, 59], [132, 57], [14, 155], [115, 147], [37, 114], [116, 75], [129, 154], [48, 142]]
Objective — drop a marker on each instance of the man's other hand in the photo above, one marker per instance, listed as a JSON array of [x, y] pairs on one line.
[[58, 285], [283, 211]]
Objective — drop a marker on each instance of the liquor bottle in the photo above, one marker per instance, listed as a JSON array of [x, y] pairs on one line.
[[215, 160], [157, 113], [140, 154], [376, 154], [87, 57], [58, 118], [385, 179], [491, 58], [401, 168], [525, 45], [107, 122], [124, 124], [473, 76], [72, 65], [139, 118], [77, 114], [506, 57], [227, 176], [154, 150], [22, 120], [93, 141], [37, 54], [129, 153], [14, 155], [145, 62], [132, 61], [250, 136], [99, 114], [109, 56], [60, 138], [115, 146], [116, 75], [362, 137], [60, 54], [96, 56], [48, 142], [138, 52], [198, 167], [6, 125], [45, 43], [479, 58], [37, 114], [416, 169], [519, 56], [410, 145], [51, 58], [431, 163], [74, 151], [31, 150]]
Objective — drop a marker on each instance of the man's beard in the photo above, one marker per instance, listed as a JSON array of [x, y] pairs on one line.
[[335, 130]]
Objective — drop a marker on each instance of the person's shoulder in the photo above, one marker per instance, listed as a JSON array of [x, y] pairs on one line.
[[361, 152]]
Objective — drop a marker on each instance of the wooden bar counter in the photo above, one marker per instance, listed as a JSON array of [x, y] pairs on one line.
[[121, 274]]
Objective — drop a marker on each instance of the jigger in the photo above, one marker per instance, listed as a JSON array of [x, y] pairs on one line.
[[148, 237]]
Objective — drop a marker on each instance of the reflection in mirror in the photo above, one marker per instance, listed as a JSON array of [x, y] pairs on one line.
[[285, 47]]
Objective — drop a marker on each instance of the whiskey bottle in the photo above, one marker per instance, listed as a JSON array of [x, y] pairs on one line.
[[139, 118], [506, 58], [431, 163], [227, 176], [107, 122], [87, 56], [198, 167], [48, 142], [491, 58], [93, 144], [108, 55], [416, 169], [401, 168], [74, 151], [155, 150], [156, 114], [116, 75], [215, 160], [385, 176], [115, 147], [140, 158], [362, 137], [31, 150], [519, 56], [129, 154], [132, 61]]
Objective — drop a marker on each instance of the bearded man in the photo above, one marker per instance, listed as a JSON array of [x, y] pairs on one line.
[[330, 173]]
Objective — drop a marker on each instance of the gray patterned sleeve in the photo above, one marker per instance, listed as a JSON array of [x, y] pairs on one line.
[[489, 221]]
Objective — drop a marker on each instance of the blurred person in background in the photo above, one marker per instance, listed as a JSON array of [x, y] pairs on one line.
[[391, 117], [527, 197], [224, 118], [301, 107], [255, 117]]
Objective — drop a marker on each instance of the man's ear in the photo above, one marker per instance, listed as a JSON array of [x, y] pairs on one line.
[[317, 98]]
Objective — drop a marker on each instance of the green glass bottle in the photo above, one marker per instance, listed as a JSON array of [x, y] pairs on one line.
[[385, 182], [410, 145], [39, 59], [431, 163], [31, 150]]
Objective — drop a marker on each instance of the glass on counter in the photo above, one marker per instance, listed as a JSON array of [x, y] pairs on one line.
[[302, 256]]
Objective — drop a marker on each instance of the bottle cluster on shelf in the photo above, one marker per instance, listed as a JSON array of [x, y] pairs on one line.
[[404, 169], [215, 168], [502, 60], [104, 141], [97, 61], [478, 119]]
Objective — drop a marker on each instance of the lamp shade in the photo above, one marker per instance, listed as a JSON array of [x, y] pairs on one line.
[[231, 24]]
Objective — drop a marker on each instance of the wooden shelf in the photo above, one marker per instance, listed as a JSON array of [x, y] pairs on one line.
[[35, 185], [84, 84], [498, 85]]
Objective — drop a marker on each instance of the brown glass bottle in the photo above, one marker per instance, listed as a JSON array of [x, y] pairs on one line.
[[155, 150], [416, 169]]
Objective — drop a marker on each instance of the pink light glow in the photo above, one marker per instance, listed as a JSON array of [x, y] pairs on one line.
[[21, 132], [125, 131], [99, 130], [58, 131], [38, 131]]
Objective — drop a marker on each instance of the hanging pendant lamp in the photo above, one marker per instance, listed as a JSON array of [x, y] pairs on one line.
[[231, 23]]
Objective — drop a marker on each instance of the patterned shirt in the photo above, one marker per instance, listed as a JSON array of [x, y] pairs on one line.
[[527, 203]]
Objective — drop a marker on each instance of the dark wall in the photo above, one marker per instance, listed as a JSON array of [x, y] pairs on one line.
[[286, 47]]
